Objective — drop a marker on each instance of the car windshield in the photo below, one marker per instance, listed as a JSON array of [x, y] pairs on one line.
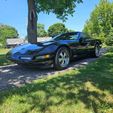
[[66, 36]]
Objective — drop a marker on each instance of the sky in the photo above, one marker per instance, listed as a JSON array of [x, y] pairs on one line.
[[14, 13]]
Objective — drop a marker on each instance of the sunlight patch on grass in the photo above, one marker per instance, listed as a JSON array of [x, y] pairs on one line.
[[4, 51]]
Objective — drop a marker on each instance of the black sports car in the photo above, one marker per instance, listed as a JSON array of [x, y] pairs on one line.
[[58, 51]]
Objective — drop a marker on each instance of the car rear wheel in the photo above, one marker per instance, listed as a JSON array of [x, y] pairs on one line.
[[97, 51], [62, 58]]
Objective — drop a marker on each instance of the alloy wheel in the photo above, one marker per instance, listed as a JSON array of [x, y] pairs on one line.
[[62, 58]]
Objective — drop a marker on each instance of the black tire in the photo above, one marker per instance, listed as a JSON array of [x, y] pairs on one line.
[[97, 52], [62, 58]]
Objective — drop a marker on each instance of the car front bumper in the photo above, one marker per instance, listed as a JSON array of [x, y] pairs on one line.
[[31, 60]]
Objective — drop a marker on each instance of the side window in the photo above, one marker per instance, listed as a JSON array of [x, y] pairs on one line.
[[72, 36], [62, 37], [67, 36]]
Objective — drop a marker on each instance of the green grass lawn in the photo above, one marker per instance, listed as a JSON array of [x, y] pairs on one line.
[[3, 60], [3, 51], [85, 90]]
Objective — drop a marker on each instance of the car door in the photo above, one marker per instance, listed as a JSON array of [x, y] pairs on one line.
[[84, 44], [73, 41]]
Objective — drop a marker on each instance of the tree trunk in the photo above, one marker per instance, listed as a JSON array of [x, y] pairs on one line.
[[32, 22]]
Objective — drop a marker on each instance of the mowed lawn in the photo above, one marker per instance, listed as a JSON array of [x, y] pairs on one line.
[[3, 60], [4, 51], [85, 90]]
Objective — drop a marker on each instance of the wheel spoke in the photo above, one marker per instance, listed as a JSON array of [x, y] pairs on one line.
[[60, 59], [61, 54], [63, 62]]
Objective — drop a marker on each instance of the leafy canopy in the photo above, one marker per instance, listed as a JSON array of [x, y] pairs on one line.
[[62, 8], [7, 32], [100, 24], [57, 28]]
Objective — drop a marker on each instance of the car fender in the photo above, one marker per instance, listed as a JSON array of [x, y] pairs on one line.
[[50, 49]]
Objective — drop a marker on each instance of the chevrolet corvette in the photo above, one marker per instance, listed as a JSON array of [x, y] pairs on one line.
[[58, 51]]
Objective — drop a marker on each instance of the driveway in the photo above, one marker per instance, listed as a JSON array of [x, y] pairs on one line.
[[16, 76]]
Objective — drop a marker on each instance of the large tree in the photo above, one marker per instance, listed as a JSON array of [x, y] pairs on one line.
[[62, 8], [7, 32], [100, 23]]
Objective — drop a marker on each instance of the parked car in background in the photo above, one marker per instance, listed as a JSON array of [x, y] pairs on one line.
[[57, 51]]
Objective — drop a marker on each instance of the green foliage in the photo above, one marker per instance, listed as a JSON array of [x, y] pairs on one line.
[[62, 8], [41, 30], [7, 32], [3, 60], [101, 21], [109, 39], [70, 30], [57, 29], [3, 51]]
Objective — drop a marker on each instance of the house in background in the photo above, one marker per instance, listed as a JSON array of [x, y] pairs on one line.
[[10, 43]]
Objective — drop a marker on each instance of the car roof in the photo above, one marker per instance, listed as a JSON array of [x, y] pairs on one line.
[[71, 32], [67, 33]]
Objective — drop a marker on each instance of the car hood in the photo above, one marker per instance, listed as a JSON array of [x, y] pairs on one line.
[[25, 48], [30, 47]]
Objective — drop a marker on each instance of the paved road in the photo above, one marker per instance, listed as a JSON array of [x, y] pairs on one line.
[[16, 76]]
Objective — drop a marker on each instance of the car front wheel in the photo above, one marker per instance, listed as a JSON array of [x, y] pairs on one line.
[[62, 58]]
